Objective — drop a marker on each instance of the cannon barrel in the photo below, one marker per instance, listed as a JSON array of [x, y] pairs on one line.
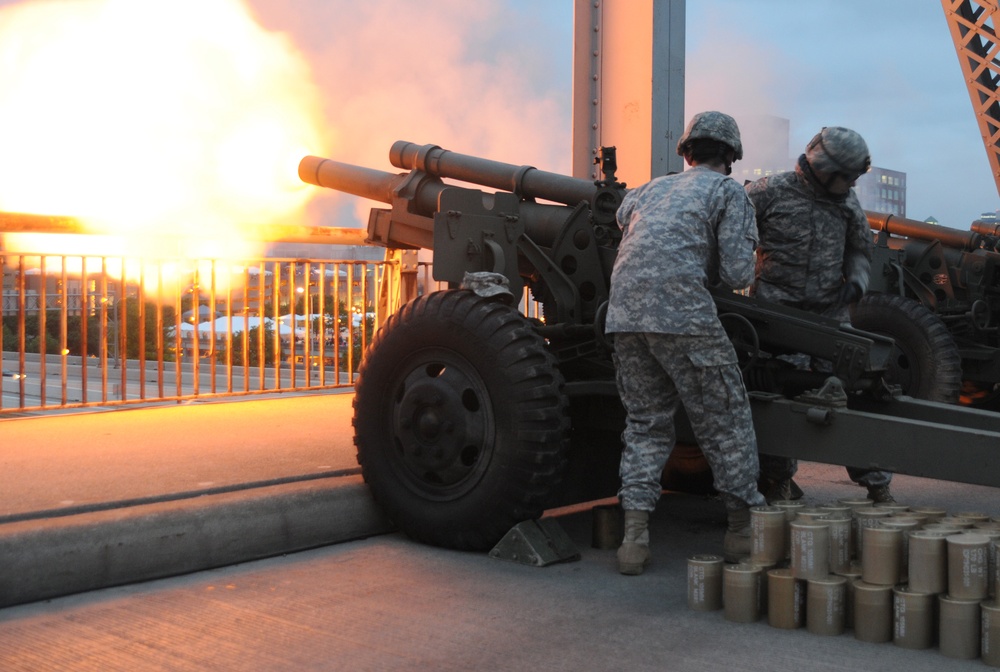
[[525, 181], [911, 228], [988, 229], [542, 222], [376, 185]]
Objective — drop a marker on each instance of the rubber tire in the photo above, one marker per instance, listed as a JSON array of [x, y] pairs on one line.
[[461, 423], [927, 364]]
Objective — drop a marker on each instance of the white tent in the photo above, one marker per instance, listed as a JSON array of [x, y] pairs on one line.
[[239, 325]]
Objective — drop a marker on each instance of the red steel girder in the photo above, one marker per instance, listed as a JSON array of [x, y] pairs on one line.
[[973, 32]]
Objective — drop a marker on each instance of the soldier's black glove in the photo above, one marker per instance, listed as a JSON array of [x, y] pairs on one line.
[[850, 292]]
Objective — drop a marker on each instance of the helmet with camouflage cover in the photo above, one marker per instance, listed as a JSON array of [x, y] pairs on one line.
[[713, 126], [836, 149]]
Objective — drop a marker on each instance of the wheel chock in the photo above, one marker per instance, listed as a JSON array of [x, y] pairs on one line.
[[538, 543]]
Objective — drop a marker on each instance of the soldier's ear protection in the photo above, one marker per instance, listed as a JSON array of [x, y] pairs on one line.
[[727, 154]]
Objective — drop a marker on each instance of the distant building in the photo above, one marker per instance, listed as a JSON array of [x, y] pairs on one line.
[[765, 152], [883, 190]]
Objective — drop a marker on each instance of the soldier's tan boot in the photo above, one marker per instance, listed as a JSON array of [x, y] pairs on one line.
[[880, 494], [633, 554], [737, 544], [782, 489]]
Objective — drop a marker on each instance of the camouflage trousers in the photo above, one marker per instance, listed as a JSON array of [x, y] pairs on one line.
[[656, 373], [777, 468]]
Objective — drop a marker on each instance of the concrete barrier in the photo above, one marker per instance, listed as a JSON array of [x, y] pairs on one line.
[[42, 559]]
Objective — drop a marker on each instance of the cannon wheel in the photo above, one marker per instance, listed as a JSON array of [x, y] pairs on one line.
[[927, 364], [460, 420]]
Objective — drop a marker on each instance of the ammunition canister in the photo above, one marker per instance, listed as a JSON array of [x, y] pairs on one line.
[[741, 593], [768, 528], [786, 599], [946, 528], [958, 630], [987, 532], [856, 503], [912, 618], [933, 513], [810, 549], [969, 523], [704, 582], [811, 513], [608, 526], [920, 518], [928, 562], [990, 640], [838, 509], [791, 509], [852, 574], [955, 521], [872, 612], [883, 553], [991, 555], [907, 526], [967, 566], [764, 569], [840, 542], [862, 518], [825, 602]]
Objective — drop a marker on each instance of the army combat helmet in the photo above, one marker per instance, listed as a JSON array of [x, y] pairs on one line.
[[838, 150], [716, 126]]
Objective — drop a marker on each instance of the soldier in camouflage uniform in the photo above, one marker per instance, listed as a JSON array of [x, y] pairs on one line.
[[815, 253], [680, 234]]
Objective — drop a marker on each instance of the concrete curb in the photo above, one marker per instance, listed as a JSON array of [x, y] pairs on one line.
[[42, 559]]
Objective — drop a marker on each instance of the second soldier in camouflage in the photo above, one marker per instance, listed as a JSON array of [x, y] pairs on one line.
[[681, 234]]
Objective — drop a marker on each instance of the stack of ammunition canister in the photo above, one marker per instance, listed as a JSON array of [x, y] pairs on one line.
[[914, 576]]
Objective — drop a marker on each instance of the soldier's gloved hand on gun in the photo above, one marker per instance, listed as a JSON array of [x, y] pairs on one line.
[[850, 292]]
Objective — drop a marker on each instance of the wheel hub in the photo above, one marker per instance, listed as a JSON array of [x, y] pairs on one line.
[[440, 426], [428, 424]]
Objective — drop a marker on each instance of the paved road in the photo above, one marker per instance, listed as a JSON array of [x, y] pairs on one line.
[[66, 463], [93, 500], [386, 603]]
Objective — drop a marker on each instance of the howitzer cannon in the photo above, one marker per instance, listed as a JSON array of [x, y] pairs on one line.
[[503, 232], [470, 417], [563, 250], [936, 291]]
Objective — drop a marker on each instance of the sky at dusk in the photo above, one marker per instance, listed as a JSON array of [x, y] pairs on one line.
[[494, 78], [886, 68]]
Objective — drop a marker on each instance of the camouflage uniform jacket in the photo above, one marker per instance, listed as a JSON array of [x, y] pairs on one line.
[[809, 244], [681, 233]]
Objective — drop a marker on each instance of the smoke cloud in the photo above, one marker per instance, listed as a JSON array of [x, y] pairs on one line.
[[479, 78]]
